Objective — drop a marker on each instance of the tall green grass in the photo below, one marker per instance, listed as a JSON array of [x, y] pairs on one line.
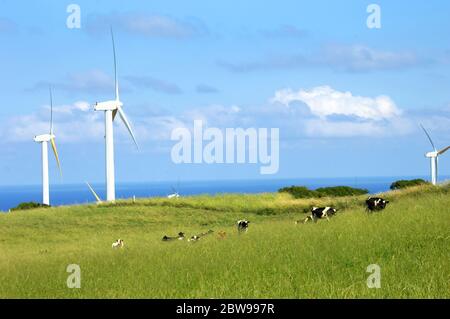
[[275, 259]]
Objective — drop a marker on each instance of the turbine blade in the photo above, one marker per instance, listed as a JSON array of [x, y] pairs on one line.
[[127, 124], [428, 135], [51, 110], [55, 151], [97, 198], [442, 151], [116, 82]]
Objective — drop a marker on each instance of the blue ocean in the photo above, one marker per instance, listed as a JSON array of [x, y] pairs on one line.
[[11, 196]]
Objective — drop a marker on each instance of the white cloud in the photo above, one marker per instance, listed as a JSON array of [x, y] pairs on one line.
[[324, 101], [79, 123], [334, 113], [71, 123], [320, 112], [81, 106]]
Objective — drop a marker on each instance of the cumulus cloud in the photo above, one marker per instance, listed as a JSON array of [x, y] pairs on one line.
[[145, 24], [324, 101], [319, 112], [79, 123], [341, 114], [71, 122]]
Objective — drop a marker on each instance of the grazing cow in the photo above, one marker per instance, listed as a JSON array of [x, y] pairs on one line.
[[376, 203], [319, 213], [179, 237], [242, 225], [117, 244]]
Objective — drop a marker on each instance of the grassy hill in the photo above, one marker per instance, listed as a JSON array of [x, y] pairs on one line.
[[410, 241]]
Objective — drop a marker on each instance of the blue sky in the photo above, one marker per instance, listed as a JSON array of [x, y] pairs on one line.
[[347, 99]]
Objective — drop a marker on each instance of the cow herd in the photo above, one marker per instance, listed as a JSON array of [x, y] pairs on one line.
[[242, 227], [372, 204]]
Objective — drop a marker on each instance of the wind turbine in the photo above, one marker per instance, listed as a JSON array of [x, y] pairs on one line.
[[434, 158], [44, 139], [111, 108], [175, 193]]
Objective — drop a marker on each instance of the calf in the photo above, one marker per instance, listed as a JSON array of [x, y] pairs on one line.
[[179, 237], [222, 234], [242, 225], [117, 244], [197, 237], [194, 238], [376, 203], [319, 213]]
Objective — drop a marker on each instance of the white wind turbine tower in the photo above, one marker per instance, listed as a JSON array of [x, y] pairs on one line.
[[44, 139], [111, 108], [434, 158]]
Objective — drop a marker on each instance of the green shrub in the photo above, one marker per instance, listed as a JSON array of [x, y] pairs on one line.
[[336, 191], [299, 192], [28, 205], [407, 183]]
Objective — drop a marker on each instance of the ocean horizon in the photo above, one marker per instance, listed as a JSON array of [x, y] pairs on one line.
[[72, 194]]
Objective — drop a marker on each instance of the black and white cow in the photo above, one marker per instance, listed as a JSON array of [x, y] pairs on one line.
[[118, 244], [242, 225], [319, 213], [179, 237], [376, 203]]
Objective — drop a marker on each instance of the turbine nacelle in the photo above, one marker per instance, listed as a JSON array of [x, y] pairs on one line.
[[431, 154], [108, 105], [43, 138]]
